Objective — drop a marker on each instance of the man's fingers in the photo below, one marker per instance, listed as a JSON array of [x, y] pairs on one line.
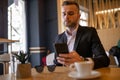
[[65, 56]]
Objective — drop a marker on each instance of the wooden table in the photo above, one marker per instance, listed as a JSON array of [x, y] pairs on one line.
[[61, 73], [6, 41]]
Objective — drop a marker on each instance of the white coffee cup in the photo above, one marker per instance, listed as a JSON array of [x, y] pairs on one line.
[[83, 68]]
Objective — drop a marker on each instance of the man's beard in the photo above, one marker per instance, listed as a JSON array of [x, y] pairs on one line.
[[71, 25]]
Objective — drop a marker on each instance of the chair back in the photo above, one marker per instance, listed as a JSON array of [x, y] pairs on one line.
[[5, 57]]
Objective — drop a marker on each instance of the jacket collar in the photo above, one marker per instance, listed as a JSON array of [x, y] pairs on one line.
[[78, 37]]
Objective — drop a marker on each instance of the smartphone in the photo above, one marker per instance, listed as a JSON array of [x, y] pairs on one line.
[[61, 48]]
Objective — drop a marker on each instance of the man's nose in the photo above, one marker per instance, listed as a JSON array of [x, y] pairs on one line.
[[66, 16]]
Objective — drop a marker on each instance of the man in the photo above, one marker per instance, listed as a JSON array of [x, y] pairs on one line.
[[83, 42]]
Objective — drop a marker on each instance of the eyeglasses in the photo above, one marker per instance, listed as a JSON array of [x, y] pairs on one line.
[[40, 68]]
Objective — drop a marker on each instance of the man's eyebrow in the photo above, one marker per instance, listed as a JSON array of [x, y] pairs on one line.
[[67, 11]]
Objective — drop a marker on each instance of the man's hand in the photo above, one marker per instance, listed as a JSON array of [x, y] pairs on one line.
[[67, 59]]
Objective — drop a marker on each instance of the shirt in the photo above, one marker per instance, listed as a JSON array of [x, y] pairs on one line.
[[71, 39]]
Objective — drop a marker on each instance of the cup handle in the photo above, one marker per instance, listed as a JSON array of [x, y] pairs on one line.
[[72, 67], [90, 60]]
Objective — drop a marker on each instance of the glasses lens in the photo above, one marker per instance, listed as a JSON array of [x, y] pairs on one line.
[[51, 68], [39, 68]]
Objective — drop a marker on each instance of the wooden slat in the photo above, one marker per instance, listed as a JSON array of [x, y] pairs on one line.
[[5, 40]]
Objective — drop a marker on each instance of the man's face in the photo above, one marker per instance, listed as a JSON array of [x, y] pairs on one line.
[[70, 15]]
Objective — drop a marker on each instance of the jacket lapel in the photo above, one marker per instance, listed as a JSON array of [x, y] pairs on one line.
[[78, 37], [63, 38]]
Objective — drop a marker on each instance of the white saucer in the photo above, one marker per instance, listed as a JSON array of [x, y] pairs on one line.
[[94, 74]]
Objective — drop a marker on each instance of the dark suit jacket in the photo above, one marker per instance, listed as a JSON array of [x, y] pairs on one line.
[[87, 44]]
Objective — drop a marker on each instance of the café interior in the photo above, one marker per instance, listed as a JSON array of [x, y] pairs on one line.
[[32, 25]]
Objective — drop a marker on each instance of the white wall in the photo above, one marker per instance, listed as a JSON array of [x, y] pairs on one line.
[[109, 37]]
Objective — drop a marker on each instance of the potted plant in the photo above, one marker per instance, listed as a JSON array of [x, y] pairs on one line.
[[23, 67]]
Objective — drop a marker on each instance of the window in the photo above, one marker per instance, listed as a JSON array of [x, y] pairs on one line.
[[17, 25], [84, 16], [16, 29]]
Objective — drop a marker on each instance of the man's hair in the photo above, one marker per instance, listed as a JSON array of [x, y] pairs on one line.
[[70, 3]]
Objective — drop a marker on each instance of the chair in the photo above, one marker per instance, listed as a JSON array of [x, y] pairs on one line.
[[50, 59], [115, 51], [5, 59], [113, 60]]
